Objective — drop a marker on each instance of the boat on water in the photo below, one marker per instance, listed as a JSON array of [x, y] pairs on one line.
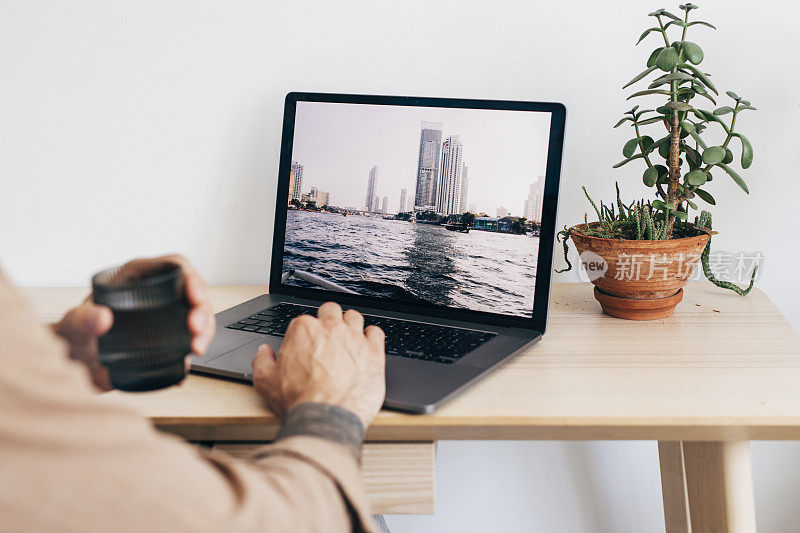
[[457, 226]]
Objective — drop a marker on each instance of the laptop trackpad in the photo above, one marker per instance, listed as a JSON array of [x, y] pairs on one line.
[[239, 360]]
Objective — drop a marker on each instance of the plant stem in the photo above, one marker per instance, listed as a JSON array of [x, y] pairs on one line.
[[641, 147], [674, 170], [685, 27], [663, 31]]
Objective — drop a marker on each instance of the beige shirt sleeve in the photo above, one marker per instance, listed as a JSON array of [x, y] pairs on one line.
[[73, 460]]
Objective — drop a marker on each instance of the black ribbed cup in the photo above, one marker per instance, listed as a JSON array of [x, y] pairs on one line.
[[146, 346]]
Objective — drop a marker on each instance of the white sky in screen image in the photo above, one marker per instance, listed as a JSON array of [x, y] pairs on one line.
[[338, 144]]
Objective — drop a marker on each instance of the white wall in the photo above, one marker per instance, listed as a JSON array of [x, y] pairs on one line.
[[131, 128]]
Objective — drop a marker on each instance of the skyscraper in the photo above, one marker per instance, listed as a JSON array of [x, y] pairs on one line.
[[502, 212], [291, 186], [462, 206], [533, 204], [448, 189], [385, 206], [430, 145], [372, 183], [402, 200], [376, 204], [321, 198], [297, 186]]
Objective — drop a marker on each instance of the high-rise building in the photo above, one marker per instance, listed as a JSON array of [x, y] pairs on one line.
[[502, 212], [462, 206], [448, 189], [372, 183], [402, 200], [319, 197], [297, 185], [385, 206], [291, 186], [430, 145], [533, 204], [376, 204]]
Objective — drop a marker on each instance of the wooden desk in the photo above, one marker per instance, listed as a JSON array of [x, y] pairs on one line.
[[722, 371]]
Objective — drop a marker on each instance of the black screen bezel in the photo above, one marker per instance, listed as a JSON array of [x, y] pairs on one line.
[[541, 296]]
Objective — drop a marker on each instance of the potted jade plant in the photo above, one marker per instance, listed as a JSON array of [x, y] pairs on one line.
[[639, 255]]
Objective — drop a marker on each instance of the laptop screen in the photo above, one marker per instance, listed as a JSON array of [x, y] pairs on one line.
[[421, 205]]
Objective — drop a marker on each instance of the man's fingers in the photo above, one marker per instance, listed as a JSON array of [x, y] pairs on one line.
[[86, 320], [202, 341], [265, 378], [354, 319], [330, 310], [376, 337], [200, 321], [264, 363], [197, 320]]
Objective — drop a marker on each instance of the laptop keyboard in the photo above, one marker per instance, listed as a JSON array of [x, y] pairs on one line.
[[415, 340]]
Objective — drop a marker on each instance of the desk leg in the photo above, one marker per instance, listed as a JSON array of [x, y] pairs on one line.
[[673, 487], [707, 487]]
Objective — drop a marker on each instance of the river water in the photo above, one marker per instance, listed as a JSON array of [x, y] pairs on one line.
[[400, 260]]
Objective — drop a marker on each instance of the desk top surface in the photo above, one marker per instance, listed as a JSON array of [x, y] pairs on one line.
[[723, 367]]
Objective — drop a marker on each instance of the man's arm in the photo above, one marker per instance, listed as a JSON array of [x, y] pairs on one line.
[[80, 461]]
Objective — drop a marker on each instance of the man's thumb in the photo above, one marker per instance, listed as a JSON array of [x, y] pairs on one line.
[[264, 364]]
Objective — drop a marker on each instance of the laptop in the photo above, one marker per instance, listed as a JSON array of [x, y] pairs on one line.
[[433, 217]]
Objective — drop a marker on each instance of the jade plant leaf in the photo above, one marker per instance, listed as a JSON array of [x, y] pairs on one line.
[[711, 117], [700, 76], [696, 177], [648, 91], [699, 139], [702, 23], [711, 156], [630, 147], [661, 206], [667, 59], [640, 76], [724, 110], [736, 177], [705, 196], [728, 156], [646, 33], [674, 23], [678, 106], [693, 52], [663, 150], [651, 120], [628, 160], [658, 144], [747, 150], [650, 176], [651, 61]]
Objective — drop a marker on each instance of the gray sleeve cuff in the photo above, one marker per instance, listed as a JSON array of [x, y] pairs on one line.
[[326, 421]]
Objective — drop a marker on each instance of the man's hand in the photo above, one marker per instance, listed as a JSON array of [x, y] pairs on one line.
[[82, 325], [330, 359]]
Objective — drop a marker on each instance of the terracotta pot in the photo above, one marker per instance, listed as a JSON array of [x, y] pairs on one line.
[[630, 271]]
